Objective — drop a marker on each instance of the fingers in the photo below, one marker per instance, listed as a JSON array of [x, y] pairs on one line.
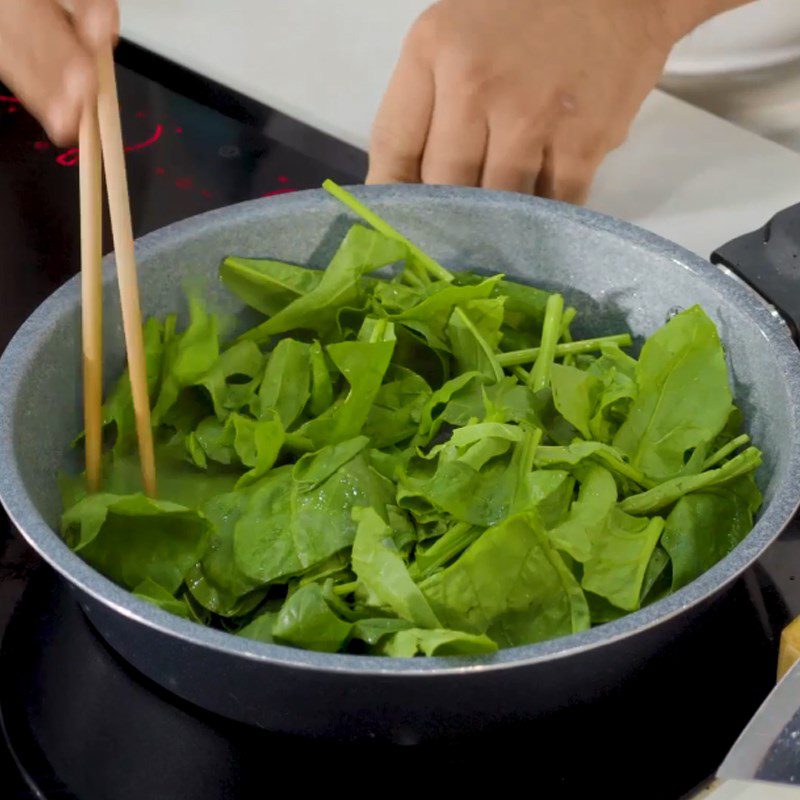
[[401, 125], [96, 22], [566, 175], [454, 152], [572, 158], [514, 156], [42, 60]]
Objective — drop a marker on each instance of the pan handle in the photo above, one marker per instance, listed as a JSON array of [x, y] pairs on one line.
[[768, 260]]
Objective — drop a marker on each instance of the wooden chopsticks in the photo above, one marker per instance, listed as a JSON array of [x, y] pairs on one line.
[[91, 188], [104, 131]]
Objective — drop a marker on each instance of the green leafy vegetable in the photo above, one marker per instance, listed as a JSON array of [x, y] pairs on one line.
[[286, 387], [415, 462], [267, 286], [378, 564], [289, 525], [683, 398], [620, 556], [587, 516], [156, 594], [188, 356], [361, 251], [414, 641], [133, 538], [704, 527], [510, 585], [306, 620]]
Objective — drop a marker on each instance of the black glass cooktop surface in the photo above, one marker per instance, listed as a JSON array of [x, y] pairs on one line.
[[79, 723]]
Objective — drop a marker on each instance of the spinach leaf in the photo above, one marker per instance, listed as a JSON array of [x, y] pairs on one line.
[[315, 468], [239, 440], [510, 585], [429, 318], [437, 410], [704, 527], [372, 630], [378, 564], [361, 251], [260, 628], [321, 383], [187, 357], [587, 516], [268, 286], [483, 474], [213, 440], [286, 387], [232, 379], [523, 310], [178, 481], [417, 641], [133, 538], [363, 365], [396, 412], [156, 594], [575, 395], [580, 453], [287, 528], [215, 581], [620, 557], [258, 444], [656, 584], [683, 399], [415, 255], [616, 371], [523, 314], [306, 620], [473, 332]]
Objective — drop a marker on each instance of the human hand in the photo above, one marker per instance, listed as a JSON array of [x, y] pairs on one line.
[[47, 57], [523, 95]]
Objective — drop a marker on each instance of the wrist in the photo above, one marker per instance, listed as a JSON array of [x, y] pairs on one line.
[[680, 17]]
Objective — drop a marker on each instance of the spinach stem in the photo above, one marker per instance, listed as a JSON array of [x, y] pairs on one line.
[[435, 269], [344, 589], [378, 331], [410, 277], [605, 455], [520, 373], [725, 451], [530, 445], [625, 469], [453, 542], [551, 332], [514, 358], [665, 494], [566, 333]]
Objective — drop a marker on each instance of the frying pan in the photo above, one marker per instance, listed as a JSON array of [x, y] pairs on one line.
[[617, 275]]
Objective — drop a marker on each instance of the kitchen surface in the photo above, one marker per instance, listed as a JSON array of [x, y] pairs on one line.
[[683, 173], [248, 102]]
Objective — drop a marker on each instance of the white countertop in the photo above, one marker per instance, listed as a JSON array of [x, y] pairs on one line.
[[683, 173]]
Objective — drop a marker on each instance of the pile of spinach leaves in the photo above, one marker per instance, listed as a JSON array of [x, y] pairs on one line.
[[423, 463]]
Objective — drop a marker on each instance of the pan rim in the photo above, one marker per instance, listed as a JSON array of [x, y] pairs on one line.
[[19, 355]]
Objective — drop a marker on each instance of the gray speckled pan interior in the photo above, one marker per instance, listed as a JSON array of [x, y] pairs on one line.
[[615, 274]]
